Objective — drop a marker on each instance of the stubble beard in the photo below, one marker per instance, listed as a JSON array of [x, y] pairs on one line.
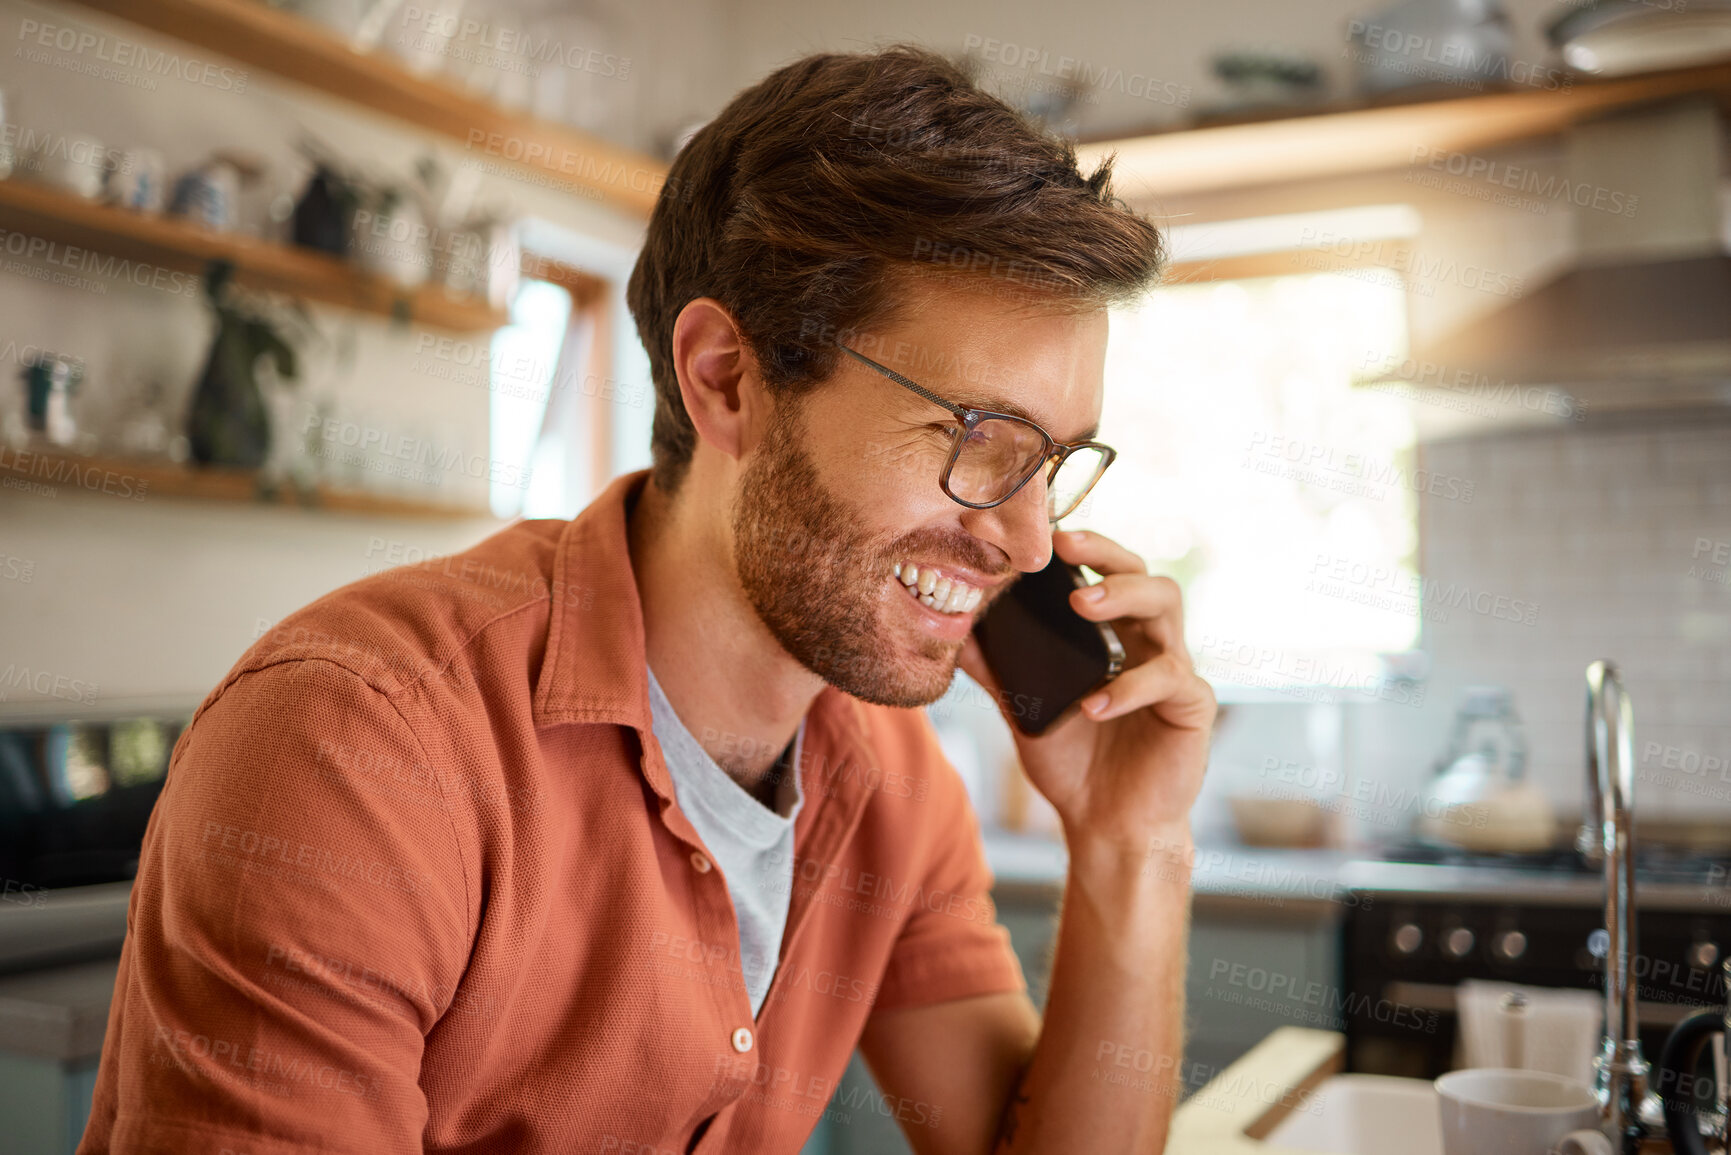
[[817, 582]]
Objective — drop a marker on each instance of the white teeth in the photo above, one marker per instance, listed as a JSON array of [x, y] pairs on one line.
[[946, 595]]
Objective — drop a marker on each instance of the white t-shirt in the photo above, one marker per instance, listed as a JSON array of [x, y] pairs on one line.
[[752, 845]]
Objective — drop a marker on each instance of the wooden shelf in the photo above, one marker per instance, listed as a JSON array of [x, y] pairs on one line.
[[296, 49], [1348, 139], [126, 480], [180, 246]]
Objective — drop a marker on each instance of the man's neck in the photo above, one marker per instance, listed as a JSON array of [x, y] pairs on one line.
[[734, 688]]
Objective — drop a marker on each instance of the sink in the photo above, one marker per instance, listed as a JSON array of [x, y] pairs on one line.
[[1364, 1115]]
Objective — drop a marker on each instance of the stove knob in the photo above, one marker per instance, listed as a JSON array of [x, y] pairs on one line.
[[1704, 954], [1458, 943], [1511, 945], [1407, 939]]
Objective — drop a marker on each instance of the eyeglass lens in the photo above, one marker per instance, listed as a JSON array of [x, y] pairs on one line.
[[997, 454]]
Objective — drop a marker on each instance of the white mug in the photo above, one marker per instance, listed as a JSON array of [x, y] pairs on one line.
[[1499, 1111]]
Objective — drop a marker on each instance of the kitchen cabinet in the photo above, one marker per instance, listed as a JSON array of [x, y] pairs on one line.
[[51, 1027]]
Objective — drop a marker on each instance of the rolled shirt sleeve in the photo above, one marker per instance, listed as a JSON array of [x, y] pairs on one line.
[[951, 945], [299, 922]]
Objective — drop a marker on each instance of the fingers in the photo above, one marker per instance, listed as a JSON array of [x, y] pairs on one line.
[[1097, 552], [1154, 603], [1168, 683]]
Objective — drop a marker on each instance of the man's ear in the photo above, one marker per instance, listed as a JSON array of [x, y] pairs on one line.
[[717, 374]]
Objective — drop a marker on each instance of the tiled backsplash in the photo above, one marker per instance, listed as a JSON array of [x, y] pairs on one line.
[[1610, 531]]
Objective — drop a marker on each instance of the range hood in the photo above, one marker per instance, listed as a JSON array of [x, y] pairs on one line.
[[1642, 317]]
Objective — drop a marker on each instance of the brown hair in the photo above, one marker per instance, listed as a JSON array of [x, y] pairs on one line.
[[800, 204]]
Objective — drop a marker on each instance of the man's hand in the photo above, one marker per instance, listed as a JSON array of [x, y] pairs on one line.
[[1126, 768], [1122, 775]]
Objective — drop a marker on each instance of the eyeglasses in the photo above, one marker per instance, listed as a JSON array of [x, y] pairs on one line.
[[992, 455]]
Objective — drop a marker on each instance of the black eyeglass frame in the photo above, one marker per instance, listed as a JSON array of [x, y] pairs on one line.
[[1055, 453]]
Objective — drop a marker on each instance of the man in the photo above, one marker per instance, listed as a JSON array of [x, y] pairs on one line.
[[619, 834]]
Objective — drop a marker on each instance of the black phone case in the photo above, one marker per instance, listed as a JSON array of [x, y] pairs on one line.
[[1045, 655]]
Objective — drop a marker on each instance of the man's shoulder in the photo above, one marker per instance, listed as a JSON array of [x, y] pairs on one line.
[[410, 620], [908, 767]]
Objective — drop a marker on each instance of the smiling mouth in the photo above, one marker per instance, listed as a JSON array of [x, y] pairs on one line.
[[934, 591]]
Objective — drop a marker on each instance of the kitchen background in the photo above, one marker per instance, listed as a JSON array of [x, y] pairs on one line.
[[1430, 414]]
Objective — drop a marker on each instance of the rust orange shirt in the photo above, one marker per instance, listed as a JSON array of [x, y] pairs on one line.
[[417, 881]]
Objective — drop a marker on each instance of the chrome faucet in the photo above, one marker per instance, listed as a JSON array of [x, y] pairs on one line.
[[1628, 1111]]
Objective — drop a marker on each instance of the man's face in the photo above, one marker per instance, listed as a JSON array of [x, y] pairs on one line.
[[845, 487]]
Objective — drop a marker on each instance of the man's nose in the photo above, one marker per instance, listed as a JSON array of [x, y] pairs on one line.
[[1020, 526]]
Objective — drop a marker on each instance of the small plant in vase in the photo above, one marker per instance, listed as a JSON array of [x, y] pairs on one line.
[[229, 423]]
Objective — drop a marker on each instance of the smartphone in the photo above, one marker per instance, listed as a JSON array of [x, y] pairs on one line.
[[1045, 655]]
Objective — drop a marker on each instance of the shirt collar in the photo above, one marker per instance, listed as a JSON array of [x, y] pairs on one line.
[[596, 664]]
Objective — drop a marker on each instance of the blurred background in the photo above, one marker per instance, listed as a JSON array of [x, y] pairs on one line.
[[1429, 413]]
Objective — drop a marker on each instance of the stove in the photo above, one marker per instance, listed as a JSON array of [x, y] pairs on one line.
[[1654, 862], [1429, 917]]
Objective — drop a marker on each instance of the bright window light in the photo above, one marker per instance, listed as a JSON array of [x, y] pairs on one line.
[[1214, 240], [1248, 467], [523, 358]]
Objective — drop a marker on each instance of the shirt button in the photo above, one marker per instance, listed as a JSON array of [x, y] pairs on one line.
[[742, 1040], [700, 861]]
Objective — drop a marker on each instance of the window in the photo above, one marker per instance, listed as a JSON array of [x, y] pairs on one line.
[[1252, 470], [523, 358]]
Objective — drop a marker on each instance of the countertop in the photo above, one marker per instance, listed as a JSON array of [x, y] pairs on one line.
[[58, 1013], [1226, 881], [1229, 875], [1279, 1075]]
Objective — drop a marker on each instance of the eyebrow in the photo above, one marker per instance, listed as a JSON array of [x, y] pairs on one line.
[[999, 405], [969, 400]]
